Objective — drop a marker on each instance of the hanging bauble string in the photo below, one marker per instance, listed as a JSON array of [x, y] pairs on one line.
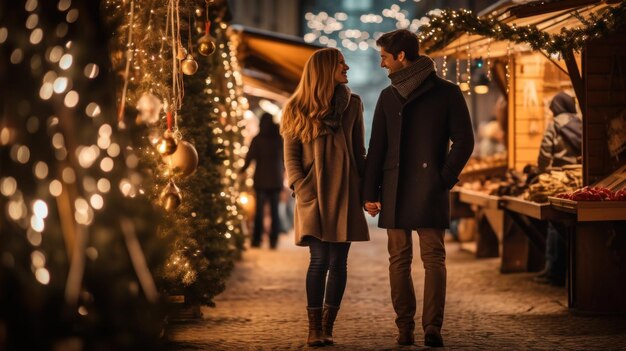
[[189, 65], [171, 197], [167, 144], [206, 46], [185, 160], [149, 107]]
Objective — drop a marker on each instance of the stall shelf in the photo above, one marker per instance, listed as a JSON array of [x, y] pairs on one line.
[[488, 219]]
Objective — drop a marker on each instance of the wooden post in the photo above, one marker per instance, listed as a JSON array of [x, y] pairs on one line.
[[575, 77]]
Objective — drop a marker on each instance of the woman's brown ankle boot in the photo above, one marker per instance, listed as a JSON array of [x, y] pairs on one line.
[[315, 327], [328, 321]]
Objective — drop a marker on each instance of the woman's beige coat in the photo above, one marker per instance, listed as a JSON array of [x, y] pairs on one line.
[[325, 175]]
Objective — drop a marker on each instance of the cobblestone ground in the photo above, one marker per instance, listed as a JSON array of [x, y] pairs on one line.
[[263, 307]]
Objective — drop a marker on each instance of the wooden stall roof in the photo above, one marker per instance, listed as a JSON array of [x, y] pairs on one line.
[[548, 16], [272, 63]]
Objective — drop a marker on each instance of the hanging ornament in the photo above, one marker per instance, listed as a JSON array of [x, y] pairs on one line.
[[181, 53], [149, 107], [206, 46], [185, 160], [189, 65], [167, 144], [171, 197]]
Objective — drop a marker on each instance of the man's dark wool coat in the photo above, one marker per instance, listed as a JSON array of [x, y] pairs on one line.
[[418, 147]]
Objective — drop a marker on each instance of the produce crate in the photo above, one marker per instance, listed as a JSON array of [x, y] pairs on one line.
[[587, 211]]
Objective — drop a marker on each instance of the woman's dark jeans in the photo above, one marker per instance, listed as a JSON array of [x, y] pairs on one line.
[[326, 258]]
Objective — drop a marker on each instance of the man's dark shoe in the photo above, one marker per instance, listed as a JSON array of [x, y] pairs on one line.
[[432, 337], [405, 337]]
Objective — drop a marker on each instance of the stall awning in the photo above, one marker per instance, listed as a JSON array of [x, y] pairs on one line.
[[272, 63], [547, 16]]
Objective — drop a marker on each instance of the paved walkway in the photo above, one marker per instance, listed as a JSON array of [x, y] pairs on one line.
[[263, 307]]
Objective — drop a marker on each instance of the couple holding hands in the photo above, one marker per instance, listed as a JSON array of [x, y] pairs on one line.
[[421, 139]]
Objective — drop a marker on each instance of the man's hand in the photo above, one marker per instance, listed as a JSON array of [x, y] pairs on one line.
[[373, 208]]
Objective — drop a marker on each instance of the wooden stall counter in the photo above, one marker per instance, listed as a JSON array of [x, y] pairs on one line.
[[597, 251]]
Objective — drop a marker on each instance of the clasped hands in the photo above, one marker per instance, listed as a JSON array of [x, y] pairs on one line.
[[373, 208]]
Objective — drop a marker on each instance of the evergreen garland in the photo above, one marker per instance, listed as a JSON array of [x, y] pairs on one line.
[[444, 27]]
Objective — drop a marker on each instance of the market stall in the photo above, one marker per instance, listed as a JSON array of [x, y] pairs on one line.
[[537, 67]]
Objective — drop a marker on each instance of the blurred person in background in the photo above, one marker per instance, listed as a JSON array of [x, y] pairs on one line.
[[266, 150]]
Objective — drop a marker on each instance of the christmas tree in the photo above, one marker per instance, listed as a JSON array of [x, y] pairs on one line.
[[77, 241], [157, 56]]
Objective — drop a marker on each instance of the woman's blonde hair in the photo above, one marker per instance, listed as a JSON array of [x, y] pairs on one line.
[[311, 101]]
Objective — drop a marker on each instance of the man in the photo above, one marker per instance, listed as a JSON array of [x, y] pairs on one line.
[[409, 170]]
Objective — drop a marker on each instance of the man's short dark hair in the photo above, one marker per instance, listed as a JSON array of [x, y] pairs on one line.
[[400, 40]]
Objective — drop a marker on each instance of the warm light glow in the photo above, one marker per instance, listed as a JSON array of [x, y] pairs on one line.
[[41, 170], [104, 185], [40, 209], [92, 110], [42, 275], [464, 86], [71, 99], [87, 156], [69, 176], [8, 186], [96, 201], [36, 36], [66, 61], [46, 91], [60, 84], [38, 259], [481, 89], [91, 71], [37, 223], [55, 54], [106, 164], [55, 188]]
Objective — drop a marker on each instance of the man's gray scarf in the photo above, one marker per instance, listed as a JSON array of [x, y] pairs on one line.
[[409, 78], [331, 122]]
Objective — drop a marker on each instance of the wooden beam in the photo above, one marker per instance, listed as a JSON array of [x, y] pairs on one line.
[[574, 75]]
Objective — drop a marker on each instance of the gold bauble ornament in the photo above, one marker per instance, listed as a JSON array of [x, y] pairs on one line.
[[205, 45], [182, 53], [167, 144], [185, 160], [171, 197], [189, 65]]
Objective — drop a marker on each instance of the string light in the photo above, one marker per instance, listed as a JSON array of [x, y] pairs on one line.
[[508, 66], [444, 67], [489, 59], [469, 69], [464, 22]]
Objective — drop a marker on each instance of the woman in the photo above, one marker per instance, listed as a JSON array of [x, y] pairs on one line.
[[266, 149], [323, 132]]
